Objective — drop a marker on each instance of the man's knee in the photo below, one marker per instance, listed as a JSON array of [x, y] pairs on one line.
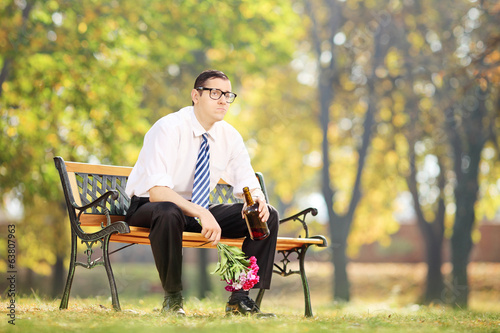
[[167, 214], [166, 207], [273, 221]]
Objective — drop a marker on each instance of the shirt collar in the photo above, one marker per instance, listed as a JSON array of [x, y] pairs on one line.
[[198, 129]]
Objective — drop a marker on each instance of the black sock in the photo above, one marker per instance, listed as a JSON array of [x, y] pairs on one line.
[[174, 293], [239, 294]]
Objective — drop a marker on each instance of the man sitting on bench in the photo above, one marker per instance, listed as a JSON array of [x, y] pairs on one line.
[[183, 157]]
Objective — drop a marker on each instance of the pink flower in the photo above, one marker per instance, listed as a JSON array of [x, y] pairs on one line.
[[235, 269]]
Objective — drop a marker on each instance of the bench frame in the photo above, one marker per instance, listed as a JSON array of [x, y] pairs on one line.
[[95, 197]]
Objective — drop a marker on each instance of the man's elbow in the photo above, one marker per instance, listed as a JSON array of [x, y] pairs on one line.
[[158, 194]]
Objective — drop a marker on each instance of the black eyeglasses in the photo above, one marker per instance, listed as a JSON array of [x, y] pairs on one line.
[[217, 94]]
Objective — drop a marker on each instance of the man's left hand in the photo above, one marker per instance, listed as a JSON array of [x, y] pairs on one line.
[[263, 209]]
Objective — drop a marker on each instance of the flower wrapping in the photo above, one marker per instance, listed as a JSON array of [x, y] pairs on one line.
[[234, 268]]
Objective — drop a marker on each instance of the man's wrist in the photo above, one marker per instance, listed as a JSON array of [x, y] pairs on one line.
[[257, 193]]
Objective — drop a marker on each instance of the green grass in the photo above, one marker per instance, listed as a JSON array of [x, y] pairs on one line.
[[383, 300], [143, 315]]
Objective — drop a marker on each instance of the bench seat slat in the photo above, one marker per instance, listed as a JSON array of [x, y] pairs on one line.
[[140, 235], [192, 239]]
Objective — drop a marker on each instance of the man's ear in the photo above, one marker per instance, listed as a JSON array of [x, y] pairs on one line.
[[195, 96]]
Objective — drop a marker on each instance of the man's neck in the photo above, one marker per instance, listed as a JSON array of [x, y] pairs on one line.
[[205, 124]]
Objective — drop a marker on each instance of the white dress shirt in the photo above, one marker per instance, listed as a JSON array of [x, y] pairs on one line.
[[169, 153]]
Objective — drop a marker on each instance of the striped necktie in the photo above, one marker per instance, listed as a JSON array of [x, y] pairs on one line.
[[201, 185]]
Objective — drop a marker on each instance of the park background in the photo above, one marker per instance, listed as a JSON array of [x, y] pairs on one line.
[[384, 115]]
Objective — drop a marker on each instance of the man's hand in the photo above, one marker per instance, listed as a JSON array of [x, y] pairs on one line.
[[210, 228], [263, 209]]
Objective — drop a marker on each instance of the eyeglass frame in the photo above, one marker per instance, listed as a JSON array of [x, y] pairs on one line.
[[222, 93]]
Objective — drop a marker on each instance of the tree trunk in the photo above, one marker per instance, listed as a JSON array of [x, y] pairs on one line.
[[28, 284], [467, 147], [461, 240], [4, 73], [339, 225], [341, 281], [434, 280], [326, 78], [58, 277], [204, 285], [432, 232]]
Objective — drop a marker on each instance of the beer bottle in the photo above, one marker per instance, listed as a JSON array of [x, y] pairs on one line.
[[258, 229]]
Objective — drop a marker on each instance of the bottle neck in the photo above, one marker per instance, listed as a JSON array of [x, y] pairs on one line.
[[248, 197]]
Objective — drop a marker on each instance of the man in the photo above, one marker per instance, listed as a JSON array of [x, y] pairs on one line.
[[183, 157]]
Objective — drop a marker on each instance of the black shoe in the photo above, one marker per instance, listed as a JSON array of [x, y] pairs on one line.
[[172, 304], [246, 306]]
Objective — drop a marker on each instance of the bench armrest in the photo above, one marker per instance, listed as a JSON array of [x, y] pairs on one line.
[[110, 228], [301, 217], [99, 202]]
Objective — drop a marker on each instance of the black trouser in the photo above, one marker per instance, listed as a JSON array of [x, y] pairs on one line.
[[167, 222]]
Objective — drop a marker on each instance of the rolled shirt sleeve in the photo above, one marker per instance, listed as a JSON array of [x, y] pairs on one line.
[[155, 164]]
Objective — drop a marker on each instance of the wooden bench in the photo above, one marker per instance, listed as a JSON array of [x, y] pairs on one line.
[[96, 200]]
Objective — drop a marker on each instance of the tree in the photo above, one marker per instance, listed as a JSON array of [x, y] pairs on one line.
[[430, 212], [326, 22], [470, 124], [57, 98], [444, 83], [85, 80], [434, 58]]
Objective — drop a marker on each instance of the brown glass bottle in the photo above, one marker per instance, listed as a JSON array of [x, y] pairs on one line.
[[258, 229]]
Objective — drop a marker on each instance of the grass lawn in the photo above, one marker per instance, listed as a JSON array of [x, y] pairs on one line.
[[383, 300], [89, 315]]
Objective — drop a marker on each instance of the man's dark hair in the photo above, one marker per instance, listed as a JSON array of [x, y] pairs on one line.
[[207, 75]]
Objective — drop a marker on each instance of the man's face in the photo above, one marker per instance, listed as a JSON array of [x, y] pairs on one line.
[[209, 111]]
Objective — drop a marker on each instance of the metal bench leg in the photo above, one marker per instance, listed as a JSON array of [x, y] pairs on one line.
[[112, 285], [71, 274], [305, 284]]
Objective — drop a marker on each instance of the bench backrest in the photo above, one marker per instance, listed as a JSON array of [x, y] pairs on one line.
[[83, 183]]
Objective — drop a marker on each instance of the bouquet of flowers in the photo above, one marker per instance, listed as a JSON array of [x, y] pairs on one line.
[[233, 267]]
